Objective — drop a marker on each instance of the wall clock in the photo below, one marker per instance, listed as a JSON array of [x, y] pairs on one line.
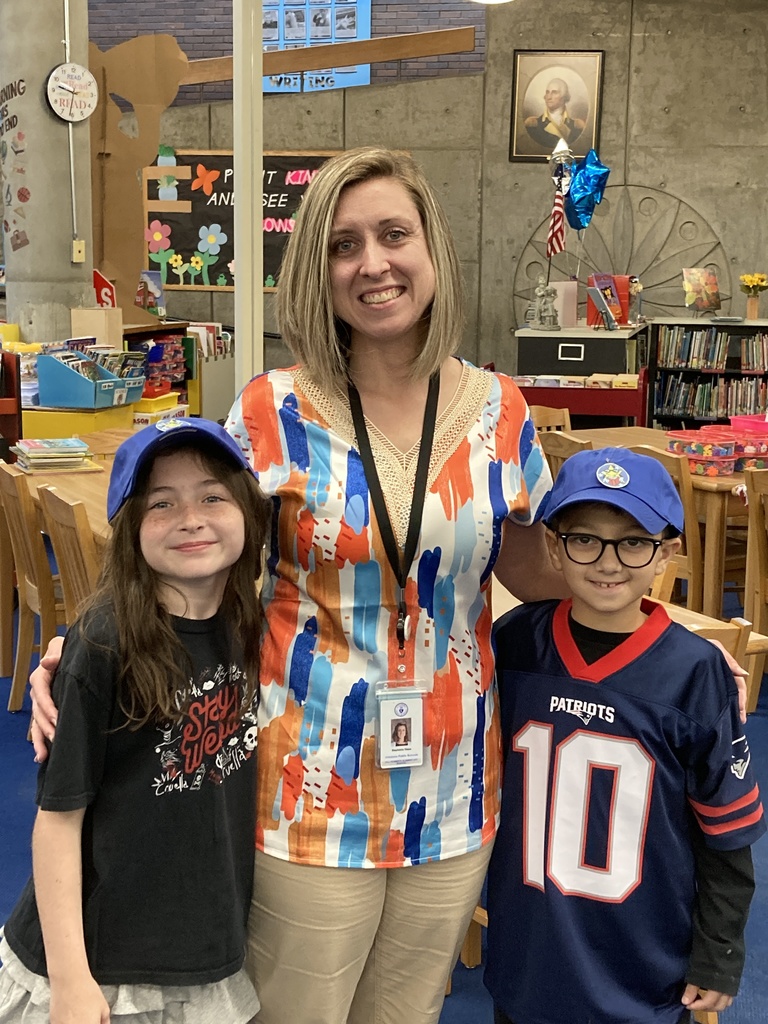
[[72, 92]]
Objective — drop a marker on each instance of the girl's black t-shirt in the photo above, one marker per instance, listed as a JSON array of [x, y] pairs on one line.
[[169, 827]]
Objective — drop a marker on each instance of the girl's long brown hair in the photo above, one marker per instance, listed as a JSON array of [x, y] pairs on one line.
[[154, 666]]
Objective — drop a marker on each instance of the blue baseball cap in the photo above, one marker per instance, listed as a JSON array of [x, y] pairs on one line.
[[147, 442], [637, 484]]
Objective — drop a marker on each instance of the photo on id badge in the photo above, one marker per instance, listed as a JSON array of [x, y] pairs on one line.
[[400, 730]]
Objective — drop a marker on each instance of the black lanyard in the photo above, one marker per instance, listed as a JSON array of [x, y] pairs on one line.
[[401, 564]]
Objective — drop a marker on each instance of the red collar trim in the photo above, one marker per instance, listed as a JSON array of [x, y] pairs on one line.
[[620, 656]]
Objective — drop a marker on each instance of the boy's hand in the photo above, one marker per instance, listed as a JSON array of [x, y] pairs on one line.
[[44, 713], [695, 998], [78, 1001]]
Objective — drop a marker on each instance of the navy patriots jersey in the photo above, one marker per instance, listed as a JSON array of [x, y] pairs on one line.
[[607, 769]]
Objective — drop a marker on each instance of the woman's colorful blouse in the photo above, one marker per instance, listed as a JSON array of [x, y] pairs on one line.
[[330, 612]]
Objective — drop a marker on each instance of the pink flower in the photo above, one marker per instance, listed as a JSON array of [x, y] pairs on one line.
[[158, 236]]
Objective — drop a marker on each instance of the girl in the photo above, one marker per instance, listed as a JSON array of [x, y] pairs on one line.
[[143, 844]]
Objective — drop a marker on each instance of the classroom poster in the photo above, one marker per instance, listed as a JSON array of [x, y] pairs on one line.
[[189, 214], [288, 24]]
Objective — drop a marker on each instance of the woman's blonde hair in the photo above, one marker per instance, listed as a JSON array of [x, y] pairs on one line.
[[314, 334]]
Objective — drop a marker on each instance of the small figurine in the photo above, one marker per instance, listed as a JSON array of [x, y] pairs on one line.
[[634, 314], [544, 312]]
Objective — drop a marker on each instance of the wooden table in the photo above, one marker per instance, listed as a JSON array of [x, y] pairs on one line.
[[104, 443], [714, 500]]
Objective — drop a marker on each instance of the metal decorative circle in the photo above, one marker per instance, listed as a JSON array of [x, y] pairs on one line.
[[634, 230]]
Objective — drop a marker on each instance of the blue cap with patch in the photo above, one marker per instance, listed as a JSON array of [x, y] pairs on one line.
[[146, 443], [637, 484]]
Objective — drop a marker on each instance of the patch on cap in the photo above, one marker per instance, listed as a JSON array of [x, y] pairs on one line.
[[612, 475], [171, 424]]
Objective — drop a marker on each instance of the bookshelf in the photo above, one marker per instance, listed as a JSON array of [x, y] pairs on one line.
[[10, 403], [582, 351], [206, 383], [628, 403], [704, 372]]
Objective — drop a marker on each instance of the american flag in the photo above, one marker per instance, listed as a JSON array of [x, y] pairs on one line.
[[556, 233]]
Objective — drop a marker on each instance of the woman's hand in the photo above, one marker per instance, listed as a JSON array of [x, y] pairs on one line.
[[739, 677], [44, 712], [695, 998]]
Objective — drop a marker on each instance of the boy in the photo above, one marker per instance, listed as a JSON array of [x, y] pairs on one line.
[[622, 876]]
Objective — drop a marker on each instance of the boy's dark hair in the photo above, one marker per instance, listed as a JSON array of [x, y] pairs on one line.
[[154, 667], [559, 521]]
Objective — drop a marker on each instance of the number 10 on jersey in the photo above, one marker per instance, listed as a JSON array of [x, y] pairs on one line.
[[572, 766]]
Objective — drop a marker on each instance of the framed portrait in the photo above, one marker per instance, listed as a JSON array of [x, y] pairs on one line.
[[556, 94]]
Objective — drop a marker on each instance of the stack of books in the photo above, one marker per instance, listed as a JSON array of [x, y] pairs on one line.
[[46, 455]]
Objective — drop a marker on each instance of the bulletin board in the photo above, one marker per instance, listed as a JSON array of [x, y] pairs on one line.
[[291, 24], [190, 215]]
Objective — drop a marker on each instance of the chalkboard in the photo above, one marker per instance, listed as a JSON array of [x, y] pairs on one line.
[[190, 214]]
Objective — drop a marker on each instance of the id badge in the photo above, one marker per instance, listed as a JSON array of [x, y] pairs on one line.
[[400, 723]]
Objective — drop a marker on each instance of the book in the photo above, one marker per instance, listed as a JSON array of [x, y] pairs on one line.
[[607, 286], [83, 466], [51, 446], [609, 320], [149, 294], [701, 288]]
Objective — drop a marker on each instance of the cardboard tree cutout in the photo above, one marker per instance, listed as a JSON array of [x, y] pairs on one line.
[[145, 72]]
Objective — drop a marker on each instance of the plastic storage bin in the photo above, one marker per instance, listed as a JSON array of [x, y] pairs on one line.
[[67, 423], [712, 466], [61, 387], [700, 443], [143, 417], [757, 423], [168, 400]]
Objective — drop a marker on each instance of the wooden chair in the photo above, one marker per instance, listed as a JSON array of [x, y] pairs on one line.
[[664, 584], [546, 418], [74, 547], [733, 639], [689, 560], [756, 588], [36, 585], [559, 445]]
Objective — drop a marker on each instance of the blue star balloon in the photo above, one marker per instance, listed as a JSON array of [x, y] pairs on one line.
[[588, 180]]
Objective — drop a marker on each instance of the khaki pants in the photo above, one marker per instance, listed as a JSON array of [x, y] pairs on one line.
[[356, 945]]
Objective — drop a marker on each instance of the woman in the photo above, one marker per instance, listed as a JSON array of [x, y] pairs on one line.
[[370, 303]]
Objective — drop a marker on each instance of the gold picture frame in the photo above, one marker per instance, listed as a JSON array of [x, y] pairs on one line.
[[555, 94]]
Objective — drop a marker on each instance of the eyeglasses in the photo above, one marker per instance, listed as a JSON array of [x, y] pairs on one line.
[[633, 552]]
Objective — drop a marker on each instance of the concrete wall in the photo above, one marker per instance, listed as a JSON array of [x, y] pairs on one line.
[[683, 129]]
